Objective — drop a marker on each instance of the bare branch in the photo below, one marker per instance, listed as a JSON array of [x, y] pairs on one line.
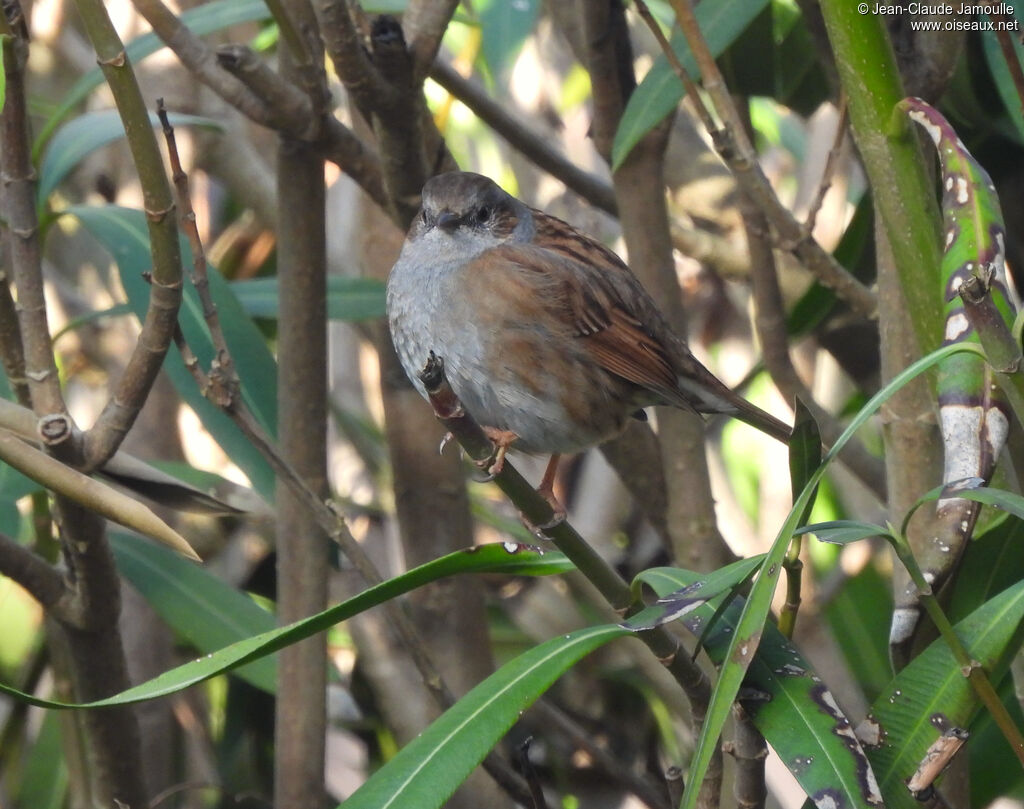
[[338, 143], [425, 22], [106, 435], [36, 575], [536, 147], [22, 233], [733, 145]]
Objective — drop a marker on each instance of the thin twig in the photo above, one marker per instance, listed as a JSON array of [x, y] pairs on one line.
[[736, 150], [103, 439], [538, 148], [338, 143], [830, 166]]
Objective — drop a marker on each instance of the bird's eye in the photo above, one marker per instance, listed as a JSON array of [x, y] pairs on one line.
[[482, 215]]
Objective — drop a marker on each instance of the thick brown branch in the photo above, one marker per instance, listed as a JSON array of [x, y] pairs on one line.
[[35, 574], [21, 232]]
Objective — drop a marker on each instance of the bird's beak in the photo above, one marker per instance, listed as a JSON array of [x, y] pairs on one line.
[[448, 220]]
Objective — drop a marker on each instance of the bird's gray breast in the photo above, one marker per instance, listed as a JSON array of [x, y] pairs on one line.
[[426, 311]]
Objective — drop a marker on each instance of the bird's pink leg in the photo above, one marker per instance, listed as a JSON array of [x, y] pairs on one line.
[[547, 491], [502, 440]]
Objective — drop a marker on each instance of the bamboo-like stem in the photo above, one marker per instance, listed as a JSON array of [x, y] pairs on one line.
[[120, 412], [302, 561], [903, 191], [17, 186]]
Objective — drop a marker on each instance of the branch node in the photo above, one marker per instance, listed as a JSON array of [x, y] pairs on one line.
[[119, 60], [55, 428]]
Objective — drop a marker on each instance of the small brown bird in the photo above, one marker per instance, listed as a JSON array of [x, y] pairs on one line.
[[547, 337]]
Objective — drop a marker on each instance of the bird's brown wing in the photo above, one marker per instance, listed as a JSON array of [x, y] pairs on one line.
[[607, 309]]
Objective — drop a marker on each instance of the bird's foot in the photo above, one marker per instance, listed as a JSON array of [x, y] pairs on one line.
[[547, 491], [502, 440]]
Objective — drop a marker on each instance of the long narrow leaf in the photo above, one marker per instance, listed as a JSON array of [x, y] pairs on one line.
[[788, 703], [932, 693], [749, 627], [506, 558]]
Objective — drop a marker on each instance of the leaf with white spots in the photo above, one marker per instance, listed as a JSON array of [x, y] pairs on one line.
[[973, 411], [931, 693], [788, 702]]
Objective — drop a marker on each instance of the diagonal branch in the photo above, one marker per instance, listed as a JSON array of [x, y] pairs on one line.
[[120, 412], [735, 148], [337, 143]]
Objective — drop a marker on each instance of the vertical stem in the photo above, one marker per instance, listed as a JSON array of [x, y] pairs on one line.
[[22, 234], [302, 560], [904, 194]]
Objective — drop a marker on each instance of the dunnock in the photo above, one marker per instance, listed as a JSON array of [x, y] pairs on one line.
[[547, 337]]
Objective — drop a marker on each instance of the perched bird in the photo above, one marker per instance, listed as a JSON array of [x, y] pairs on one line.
[[548, 339]]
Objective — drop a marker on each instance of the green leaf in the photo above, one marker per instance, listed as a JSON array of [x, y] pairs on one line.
[[495, 558], [89, 132], [3, 71], [843, 532], [351, 299], [200, 20], [932, 691], [788, 703], [969, 489], [1001, 72], [428, 769], [693, 591], [661, 90], [804, 449], [505, 25], [992, 562], [750, 625], [44, 776], [203, 609], [123, 233]]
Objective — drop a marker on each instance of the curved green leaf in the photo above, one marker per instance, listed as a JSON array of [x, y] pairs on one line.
[[661, 90], [89, 132], [123, 233], [932, 693], [428, 769], [843, 532], [791, 707], [202, 608], [751, 622], [509, 558]]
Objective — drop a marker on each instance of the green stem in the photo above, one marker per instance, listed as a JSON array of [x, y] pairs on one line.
[[968, 666], [903, 192], [1001, 348], [794, 577]]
